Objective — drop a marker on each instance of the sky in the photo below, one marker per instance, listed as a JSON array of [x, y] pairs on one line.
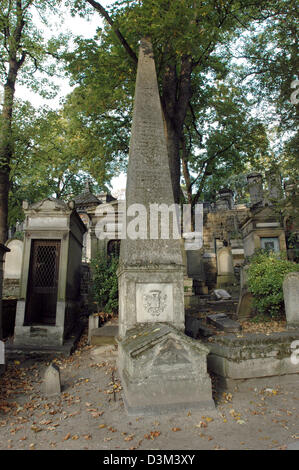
[[77, 26]]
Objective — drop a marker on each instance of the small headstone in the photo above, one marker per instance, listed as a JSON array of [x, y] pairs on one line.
[[93, 322], [52, 384], [291, 298], [222, 294], [245, 307], [221, 321]]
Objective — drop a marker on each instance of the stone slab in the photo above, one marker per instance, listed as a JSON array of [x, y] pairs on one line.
[[254, 355], [221, 321], [12, 351]]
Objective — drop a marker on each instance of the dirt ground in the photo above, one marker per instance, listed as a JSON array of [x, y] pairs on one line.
[[89, 414]]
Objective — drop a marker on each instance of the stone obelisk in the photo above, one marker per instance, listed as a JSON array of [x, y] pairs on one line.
[[160, 367], [151, 269]]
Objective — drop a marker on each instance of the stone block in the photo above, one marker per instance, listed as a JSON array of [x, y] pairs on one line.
[[221, 321], [163, 370], [104, 335]]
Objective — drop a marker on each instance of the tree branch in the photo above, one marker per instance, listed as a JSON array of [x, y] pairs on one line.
[[101, 10]]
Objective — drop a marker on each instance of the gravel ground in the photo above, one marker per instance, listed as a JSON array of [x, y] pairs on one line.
[[89, 414]]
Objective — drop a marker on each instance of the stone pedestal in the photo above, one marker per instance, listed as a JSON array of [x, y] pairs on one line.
[[162, 370], [291, 298]]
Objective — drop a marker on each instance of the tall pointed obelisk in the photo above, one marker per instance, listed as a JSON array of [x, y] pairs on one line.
[[151, 268], [160, 367]]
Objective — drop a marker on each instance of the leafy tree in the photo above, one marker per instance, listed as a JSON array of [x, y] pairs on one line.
[[188, 39], [23, 51], [49, 159]]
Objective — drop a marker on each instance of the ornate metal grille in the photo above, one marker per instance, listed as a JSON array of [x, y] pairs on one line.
[[43, 282], [45, 265]]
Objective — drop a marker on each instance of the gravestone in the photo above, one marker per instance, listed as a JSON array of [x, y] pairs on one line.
[[225, 268], [52, 385], [245, 309], [164, 371], [291, 298], [161, 368]]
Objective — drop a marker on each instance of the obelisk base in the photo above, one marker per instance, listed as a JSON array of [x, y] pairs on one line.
[[162, 370], [150, 294]]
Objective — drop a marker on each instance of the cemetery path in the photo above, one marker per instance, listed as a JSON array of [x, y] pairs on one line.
[[89, 413]]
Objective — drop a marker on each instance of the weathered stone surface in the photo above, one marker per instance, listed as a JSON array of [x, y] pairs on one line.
[[150, 270], [148, 175], [52, 384], [221, 321], [254, 355], [291, 298], [104, 351], [163, 370], [245, 308], [93, 323], [104, 335]]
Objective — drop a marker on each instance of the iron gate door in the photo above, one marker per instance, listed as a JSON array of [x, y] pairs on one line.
[[43, 282]]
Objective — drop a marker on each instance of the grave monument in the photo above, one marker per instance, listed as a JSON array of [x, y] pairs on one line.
[[48, 307], [161, 368]]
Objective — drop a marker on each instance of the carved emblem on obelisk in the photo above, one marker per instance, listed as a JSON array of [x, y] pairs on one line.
[[154, 302]]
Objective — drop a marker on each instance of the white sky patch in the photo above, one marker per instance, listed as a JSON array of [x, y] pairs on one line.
[[77, 26]]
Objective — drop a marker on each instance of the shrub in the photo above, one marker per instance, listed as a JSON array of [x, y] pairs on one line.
[[265, 278], [105, 282]]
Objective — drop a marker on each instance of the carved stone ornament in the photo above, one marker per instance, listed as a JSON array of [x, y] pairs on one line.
[[154, 302]]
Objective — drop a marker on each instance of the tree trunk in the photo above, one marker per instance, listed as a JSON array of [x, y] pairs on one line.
[[6, 147]]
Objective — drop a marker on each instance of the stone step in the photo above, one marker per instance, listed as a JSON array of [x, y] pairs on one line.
[[104, 335], [221, 321]]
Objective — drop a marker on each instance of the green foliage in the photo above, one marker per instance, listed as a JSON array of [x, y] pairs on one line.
[[105, 282], [265, 278]]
